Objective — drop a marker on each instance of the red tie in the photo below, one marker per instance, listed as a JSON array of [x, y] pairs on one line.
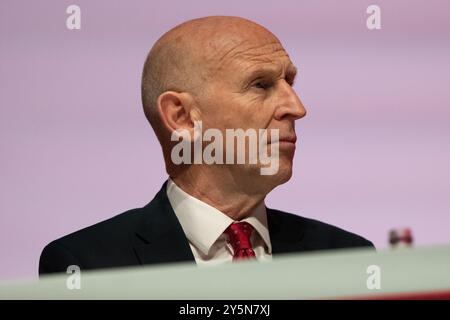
[[239, 237]]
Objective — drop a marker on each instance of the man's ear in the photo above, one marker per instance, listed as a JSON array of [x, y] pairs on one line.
[[176, 110]]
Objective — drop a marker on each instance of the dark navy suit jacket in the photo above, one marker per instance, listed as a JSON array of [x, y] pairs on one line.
[[153, 235]]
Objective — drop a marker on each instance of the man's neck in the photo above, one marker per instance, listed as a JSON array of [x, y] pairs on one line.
[[222, 194]]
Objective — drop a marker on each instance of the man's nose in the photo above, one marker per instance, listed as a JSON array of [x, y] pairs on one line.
[[289, 104]]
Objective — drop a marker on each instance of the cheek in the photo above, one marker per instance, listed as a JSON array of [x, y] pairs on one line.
[[233, 110], [251, 113]]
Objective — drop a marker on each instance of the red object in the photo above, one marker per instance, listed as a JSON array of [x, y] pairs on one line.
[[239, 237], [397, 236], [420, 295]]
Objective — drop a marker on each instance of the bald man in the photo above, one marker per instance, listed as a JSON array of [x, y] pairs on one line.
[[204, 77]]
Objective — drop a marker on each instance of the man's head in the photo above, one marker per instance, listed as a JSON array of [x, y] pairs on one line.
[[228, 73]]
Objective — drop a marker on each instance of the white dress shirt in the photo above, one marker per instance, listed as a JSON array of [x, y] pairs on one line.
[[204, 225]]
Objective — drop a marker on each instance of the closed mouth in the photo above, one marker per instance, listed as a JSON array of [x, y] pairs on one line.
[[292, 140]]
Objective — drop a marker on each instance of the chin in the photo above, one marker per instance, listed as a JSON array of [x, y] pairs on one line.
[[251, 175], [284, 174]]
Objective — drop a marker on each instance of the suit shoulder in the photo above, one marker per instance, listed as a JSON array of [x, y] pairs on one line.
[[114, 226], [105, 236], [318, 231]]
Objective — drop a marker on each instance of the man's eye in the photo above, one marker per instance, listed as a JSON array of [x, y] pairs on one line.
[[262, 85]]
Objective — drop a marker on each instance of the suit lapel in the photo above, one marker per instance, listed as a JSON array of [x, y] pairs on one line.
[[160, 237], [285, 236]]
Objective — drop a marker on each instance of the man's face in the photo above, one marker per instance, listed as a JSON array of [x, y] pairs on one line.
[[251, 88]]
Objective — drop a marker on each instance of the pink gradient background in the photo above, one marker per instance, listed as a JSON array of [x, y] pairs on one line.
[[373, 152]]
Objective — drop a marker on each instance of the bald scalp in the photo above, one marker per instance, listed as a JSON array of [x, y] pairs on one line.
[[188, 56], [168, 67]]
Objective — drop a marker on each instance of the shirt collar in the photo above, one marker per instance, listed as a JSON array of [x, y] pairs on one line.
[[204, 224]]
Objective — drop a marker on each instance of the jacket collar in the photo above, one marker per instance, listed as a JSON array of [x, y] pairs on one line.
[[161, 239], [287, 232]]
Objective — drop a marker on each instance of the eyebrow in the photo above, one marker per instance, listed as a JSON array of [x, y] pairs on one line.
[[272, 70]]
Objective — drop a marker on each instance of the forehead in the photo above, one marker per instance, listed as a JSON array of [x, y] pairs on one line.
[[236, 55]]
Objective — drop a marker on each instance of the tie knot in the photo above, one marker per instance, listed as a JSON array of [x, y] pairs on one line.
[[239, 235]]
